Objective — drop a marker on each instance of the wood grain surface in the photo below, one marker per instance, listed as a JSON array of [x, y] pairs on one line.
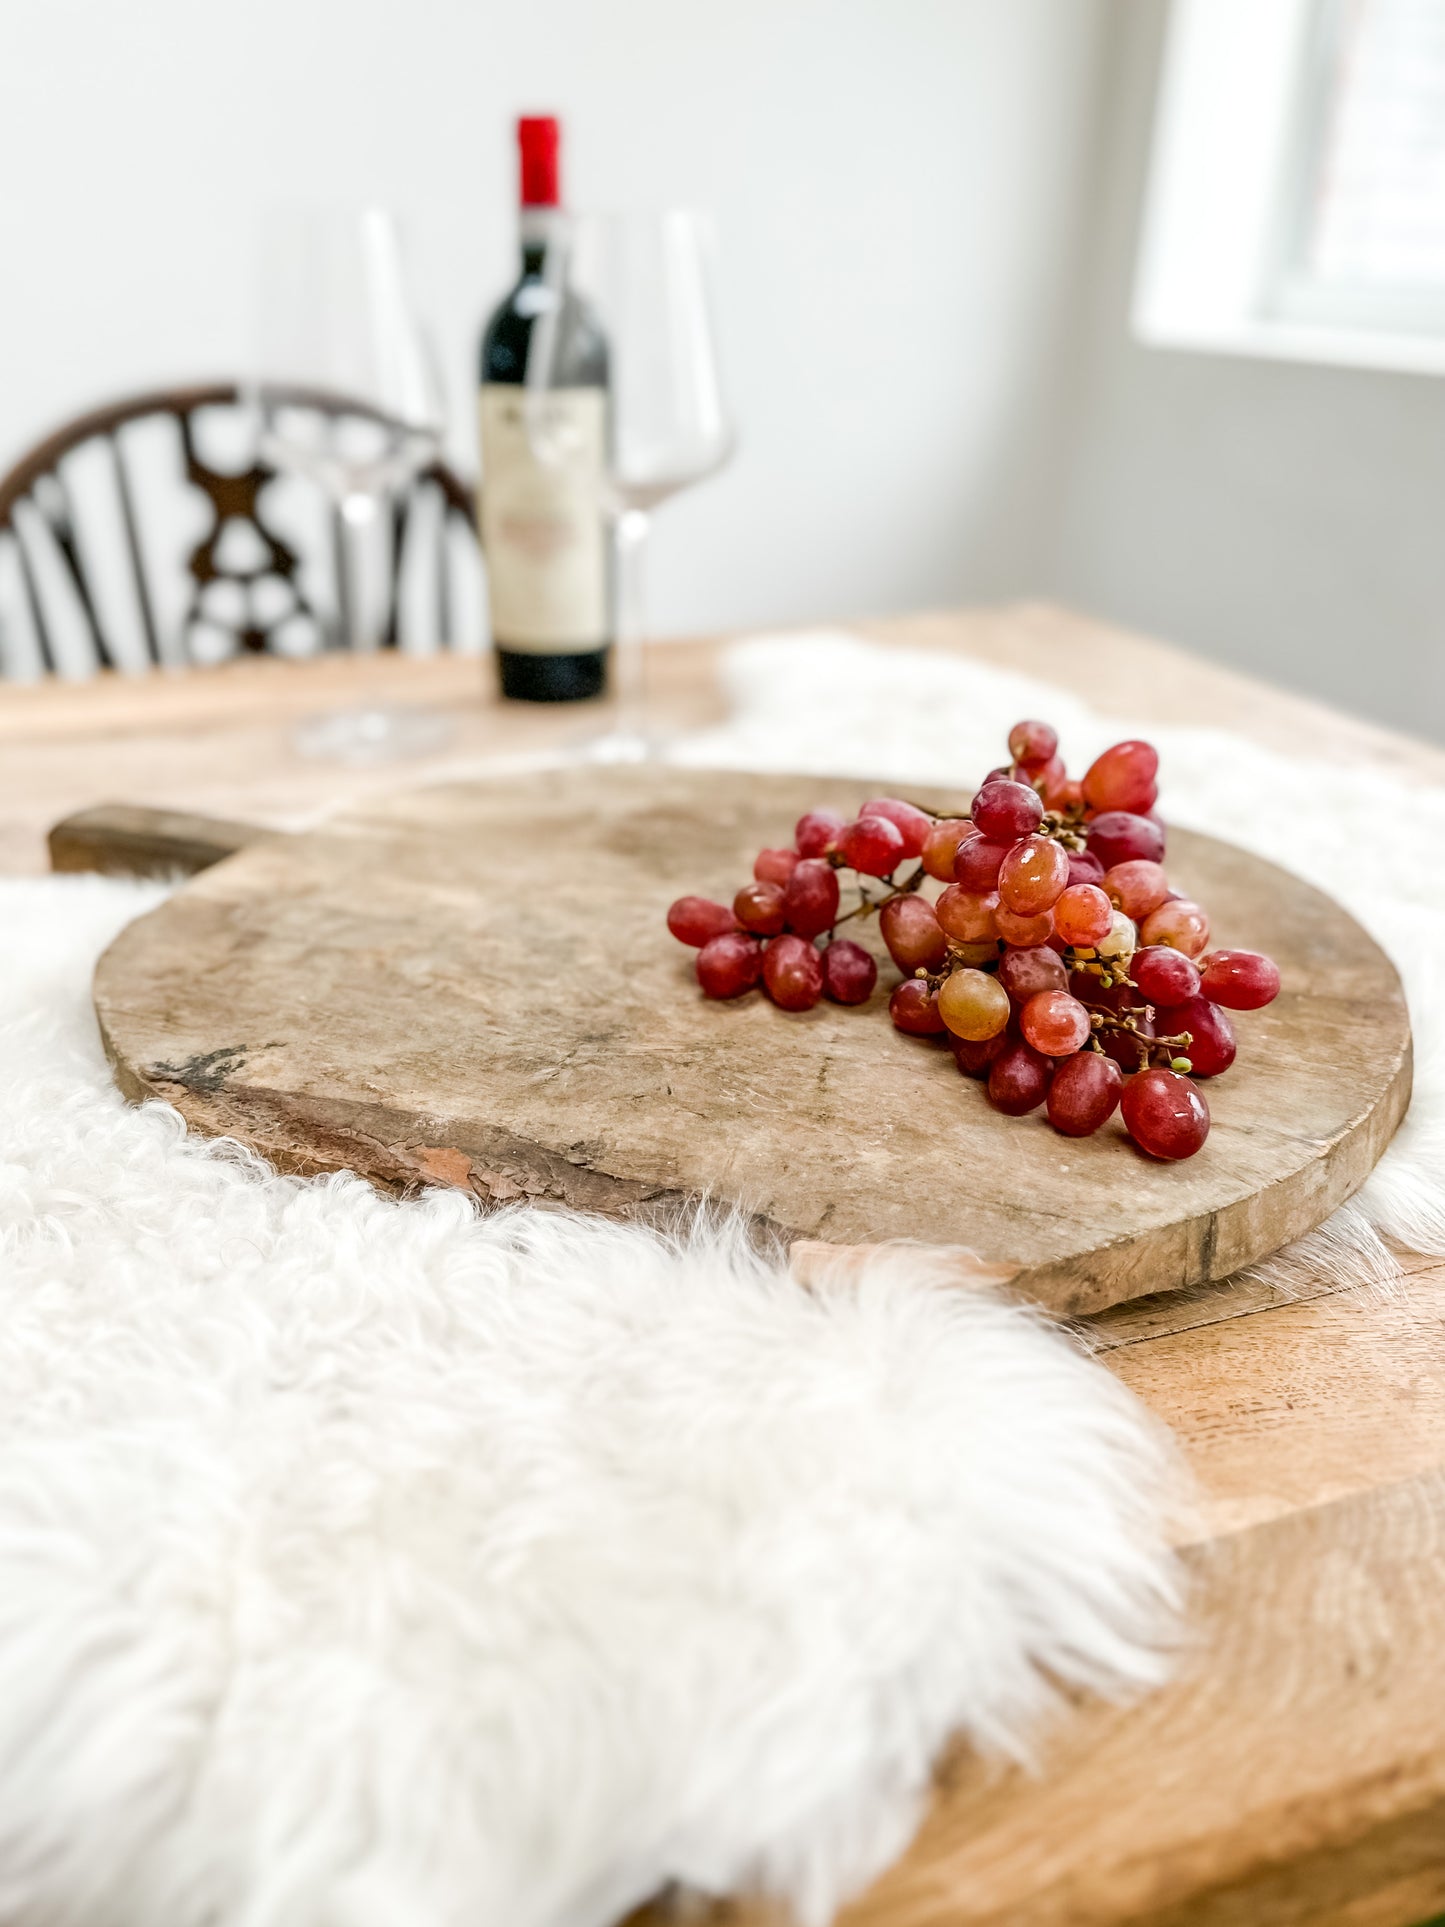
[[118, 839], [472, 984], [222, 741]]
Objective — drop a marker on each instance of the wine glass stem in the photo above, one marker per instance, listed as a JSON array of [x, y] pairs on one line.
[[356, 536], [629, 536]]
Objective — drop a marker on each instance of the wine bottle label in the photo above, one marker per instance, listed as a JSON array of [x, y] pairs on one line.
[[542, 528]]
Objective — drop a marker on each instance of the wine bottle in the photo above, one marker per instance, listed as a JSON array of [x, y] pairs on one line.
[[541, 527]]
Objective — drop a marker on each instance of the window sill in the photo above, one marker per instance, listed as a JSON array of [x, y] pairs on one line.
[[1380, 351]]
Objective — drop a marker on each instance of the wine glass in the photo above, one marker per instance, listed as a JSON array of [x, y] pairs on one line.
[[643, 280], [346, 393]]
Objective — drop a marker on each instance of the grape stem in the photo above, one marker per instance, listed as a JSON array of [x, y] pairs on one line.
[[867, 905], [1064, 826], [1172, 1047]]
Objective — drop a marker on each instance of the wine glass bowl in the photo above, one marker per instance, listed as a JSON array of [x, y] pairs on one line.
[[648, 278], [346, 394], [336, 324]]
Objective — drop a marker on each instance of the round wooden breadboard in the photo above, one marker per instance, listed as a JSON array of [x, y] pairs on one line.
[[473, 985]]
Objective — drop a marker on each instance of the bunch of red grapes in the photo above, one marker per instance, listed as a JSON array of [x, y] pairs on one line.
[[1057, 961]]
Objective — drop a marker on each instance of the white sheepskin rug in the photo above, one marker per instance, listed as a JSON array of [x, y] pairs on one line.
[[366, 1563]]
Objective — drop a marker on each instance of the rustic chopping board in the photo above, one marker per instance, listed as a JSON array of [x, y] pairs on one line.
[[473, 985]]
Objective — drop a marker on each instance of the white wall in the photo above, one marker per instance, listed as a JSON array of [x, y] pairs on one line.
[[1287, 518], [896, 185]]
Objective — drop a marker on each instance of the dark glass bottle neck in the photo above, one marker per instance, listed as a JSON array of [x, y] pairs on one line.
[[536, 225]]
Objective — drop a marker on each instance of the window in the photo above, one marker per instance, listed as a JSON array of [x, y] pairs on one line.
[[1296, 199]]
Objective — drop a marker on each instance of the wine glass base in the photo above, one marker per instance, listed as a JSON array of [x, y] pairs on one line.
[[377, 733], [621, 746]]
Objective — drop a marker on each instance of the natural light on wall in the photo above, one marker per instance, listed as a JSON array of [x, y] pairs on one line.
[[1296, 202]]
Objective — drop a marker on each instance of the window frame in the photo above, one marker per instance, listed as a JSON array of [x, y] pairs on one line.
[[1294, 291], [1221, 262]]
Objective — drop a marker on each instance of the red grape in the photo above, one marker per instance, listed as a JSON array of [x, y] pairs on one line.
[[1032, 744], [973, 1057], [914, 1008], [1122, 940], [1180, 924], [1018, 1080], [811, 903], [1119, 837], [816, 830], [1138, 887], [1211, 1047], [759, 907], [1052, 783], [1084, 1093], [1055, 1023], [729, 964], [1024, 973], [1005, 811], [849, 973], [1165, 977], [1239, 979], [1083, 915], [1164, 1114], [1032, 876], [973, 1005], [1027, 932], [967, 916], [912, 933], [976, 864], [775, 866], [873, 846], [941, 846], [1122, 778], [792, 973], [911, 824], [1084, 868], [697, 920]]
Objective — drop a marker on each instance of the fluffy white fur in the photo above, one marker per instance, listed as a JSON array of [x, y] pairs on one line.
[[365, 1562]]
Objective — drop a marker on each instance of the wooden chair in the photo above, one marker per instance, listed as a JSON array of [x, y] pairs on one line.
[[88, 581]]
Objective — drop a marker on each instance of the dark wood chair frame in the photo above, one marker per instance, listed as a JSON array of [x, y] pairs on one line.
[[230, 496]]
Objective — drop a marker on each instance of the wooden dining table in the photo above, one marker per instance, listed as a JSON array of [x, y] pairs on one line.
[[1293, 1771]]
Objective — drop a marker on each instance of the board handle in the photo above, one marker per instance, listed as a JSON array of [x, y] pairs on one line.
[[122, 839]]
